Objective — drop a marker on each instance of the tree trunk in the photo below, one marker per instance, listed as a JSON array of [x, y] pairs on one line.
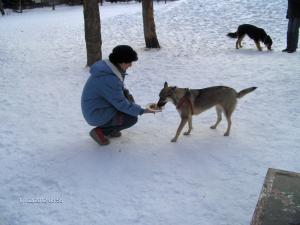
[[92, 30], [53, 5], [20, 6], [1, 8], [149, 25]]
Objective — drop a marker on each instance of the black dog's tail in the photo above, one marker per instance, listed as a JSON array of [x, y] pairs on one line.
[[245, 91], [232, 35]]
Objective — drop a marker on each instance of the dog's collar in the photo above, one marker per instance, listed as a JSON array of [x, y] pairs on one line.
[[182, 101]]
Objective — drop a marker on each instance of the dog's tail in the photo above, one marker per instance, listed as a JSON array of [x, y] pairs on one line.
[[232, 35], [245, 91]]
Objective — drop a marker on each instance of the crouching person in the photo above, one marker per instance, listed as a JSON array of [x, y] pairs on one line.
[[105, 102]]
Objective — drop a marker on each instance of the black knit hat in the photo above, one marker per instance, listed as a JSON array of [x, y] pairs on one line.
[[123, 54]]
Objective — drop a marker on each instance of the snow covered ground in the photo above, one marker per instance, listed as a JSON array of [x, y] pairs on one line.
[[52, 173]]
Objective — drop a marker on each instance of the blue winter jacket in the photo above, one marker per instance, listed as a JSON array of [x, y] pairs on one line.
[[103, 95]]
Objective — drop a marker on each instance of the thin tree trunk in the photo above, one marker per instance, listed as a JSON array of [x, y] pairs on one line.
[[92, 29], [20, 6], [149, 25], [1, 8], [53, 5]]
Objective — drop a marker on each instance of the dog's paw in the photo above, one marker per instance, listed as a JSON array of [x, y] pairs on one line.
[[174, 140], [213, 127], [186, 133], [226, 134]]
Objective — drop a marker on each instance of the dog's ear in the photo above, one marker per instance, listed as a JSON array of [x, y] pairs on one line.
[[166, 84]]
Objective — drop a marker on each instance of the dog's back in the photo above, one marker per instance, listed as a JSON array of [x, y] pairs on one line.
[[218, 95], [208, 97], [252, 31]]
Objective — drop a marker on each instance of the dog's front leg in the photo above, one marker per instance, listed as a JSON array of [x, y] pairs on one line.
[[190, 126], [258, 46], [181, 125]]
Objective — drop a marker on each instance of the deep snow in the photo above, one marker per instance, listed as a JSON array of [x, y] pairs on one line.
[[143, 178]]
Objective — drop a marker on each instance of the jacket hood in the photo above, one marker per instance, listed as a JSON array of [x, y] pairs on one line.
[[105, 68], [100, 68]]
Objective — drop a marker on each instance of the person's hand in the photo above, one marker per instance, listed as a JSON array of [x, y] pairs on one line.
[[149, 111], [128, 95], [130, 98]]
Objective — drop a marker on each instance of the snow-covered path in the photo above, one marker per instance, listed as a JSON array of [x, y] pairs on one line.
[[142, 178]]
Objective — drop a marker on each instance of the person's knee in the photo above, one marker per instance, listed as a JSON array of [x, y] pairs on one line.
[[133, 120], [129, 121]]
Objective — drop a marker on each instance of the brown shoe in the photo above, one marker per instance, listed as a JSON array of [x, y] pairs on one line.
[[98, 136], [114, 134]]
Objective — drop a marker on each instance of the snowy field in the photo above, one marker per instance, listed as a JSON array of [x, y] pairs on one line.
[[52, 173]]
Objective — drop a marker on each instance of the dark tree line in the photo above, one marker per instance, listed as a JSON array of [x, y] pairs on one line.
[[27, 4], [114, 1]]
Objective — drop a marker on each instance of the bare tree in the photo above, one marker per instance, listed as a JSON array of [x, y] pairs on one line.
[[53, 4], [1, 8], [92, 29], [20, 6], [149, 25]]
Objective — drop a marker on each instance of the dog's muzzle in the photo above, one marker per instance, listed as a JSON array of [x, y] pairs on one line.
[[161, 103]]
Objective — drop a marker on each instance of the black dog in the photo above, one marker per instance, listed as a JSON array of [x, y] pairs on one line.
[[255, 33]]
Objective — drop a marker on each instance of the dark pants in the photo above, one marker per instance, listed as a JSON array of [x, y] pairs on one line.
[[293, 34], [119, 122]]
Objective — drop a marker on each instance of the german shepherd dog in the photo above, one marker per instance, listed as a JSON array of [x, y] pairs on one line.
[[190, 102], [255, 33]]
